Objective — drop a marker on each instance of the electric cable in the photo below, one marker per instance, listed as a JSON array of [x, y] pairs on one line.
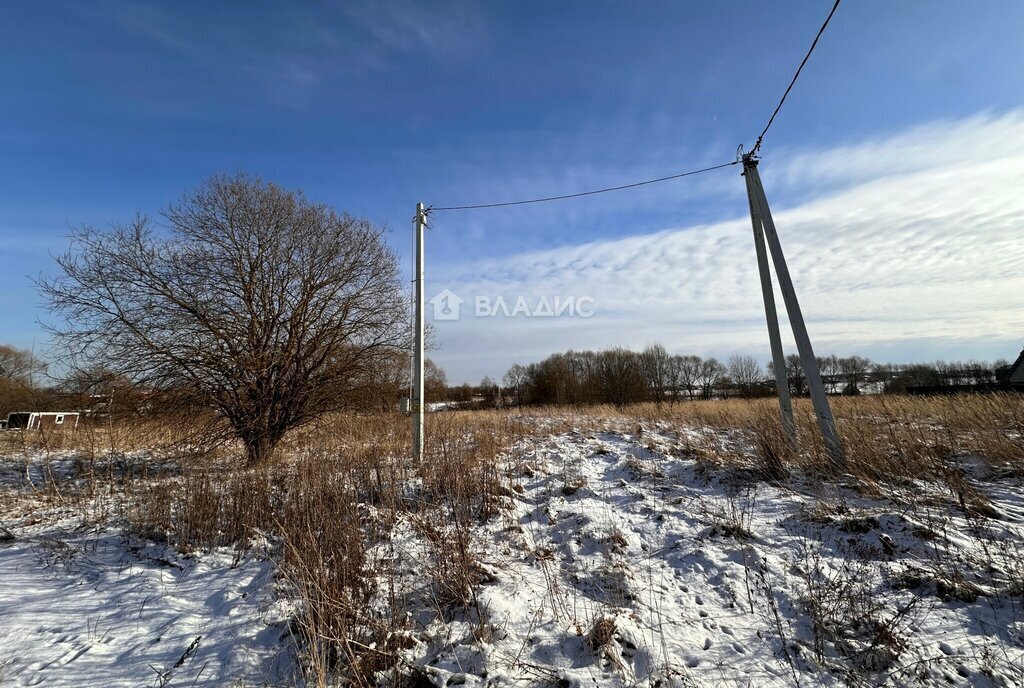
[[814, 43], [584, 193], [757, 146]]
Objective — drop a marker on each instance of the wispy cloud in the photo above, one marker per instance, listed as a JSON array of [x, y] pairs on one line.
[[439, 29], [916, 238], [946, 144], [293, 49]]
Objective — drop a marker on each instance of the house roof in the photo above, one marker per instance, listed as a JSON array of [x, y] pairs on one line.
[[1017, 365]]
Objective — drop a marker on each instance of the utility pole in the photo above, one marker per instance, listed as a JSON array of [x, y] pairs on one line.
[[772, 316], [417, 401], [764, 228]]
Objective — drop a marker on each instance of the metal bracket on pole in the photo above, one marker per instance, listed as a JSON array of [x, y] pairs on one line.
[[761, 214], [418, 401]]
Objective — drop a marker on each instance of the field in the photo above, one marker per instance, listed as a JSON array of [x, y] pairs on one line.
[[671, 545]]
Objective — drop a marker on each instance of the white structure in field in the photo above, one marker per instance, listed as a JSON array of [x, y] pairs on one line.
[[41, 420]]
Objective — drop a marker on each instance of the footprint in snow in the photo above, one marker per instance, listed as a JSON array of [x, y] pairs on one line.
[[72, 656]]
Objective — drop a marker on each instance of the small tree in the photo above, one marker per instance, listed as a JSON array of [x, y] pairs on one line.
[[830, 371], [709, 376], [515, 379], [490, 392], [685, 372], [252, 301], [619, 377], [657, 371], [461, 393], [746, 373], [794, 374], [21, 372], [435, 381], [854, 370]]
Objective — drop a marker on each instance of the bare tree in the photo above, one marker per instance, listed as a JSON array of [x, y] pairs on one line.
[[515, 379], [745, 372], [20, 374], [830, 371], [709, 376], [619, 377], [19, 364], [461, 393], [687, 371], [673, 376], [854, 370], [252, 301], [794, 374], [490, 392], [656, 371], [435, 381]]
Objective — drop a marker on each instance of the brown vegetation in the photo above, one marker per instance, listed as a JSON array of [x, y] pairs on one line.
[[343, 485]]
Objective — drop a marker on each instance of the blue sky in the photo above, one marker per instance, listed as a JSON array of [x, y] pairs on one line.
[[109, 108]]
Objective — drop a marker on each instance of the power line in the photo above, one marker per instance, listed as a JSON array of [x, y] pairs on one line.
[[789, 88], [757, 146], [584, 193]]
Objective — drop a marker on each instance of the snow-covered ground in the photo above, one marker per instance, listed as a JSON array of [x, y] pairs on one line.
[[693, 575], [617, 559], [90, 606]]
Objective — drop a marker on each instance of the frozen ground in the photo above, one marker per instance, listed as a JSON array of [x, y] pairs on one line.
[[618, 559], [90, 606], [622, 562]]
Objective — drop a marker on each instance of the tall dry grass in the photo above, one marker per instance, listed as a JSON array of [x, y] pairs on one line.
[[329, 506], [886, 438], [334, 497]]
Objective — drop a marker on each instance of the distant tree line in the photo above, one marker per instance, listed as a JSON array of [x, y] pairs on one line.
[[620, 376], [29, 383]]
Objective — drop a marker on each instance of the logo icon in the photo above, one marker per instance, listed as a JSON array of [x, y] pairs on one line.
[[446, 305]]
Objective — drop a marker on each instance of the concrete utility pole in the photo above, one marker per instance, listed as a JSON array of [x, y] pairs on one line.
[[772, 316], [764, 228], [417, 402]]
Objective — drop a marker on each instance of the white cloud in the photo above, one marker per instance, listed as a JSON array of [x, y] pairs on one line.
[[403, 27], [916, 247], [942, 144]]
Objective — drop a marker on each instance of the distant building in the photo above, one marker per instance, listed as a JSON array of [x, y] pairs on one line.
[[42, 420], [1012, 375]]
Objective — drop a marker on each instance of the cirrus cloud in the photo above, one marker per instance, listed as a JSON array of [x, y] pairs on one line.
[[907, 247]]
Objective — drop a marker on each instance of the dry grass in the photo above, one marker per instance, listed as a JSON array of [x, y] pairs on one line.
[[889, 440], [340, 488], [330, 504]]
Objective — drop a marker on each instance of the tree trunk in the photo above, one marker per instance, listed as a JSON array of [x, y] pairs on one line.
[[259, 447]]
